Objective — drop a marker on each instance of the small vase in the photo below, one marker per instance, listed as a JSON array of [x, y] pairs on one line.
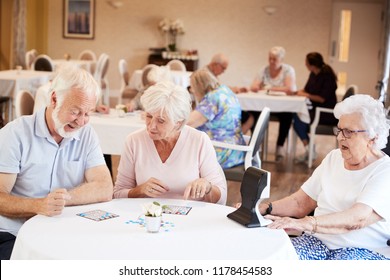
[[152, 224]]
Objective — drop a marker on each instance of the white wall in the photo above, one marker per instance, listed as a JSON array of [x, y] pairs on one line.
[[239, 28]]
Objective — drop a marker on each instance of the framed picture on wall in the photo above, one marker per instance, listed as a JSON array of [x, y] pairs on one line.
[[79, 19]]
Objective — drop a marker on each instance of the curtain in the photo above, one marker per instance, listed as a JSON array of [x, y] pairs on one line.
[[18, 46]]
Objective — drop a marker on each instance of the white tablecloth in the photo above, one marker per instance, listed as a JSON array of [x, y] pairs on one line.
[[112, 129], [257, 101], [85, 64], [11, 81], [205, 233], [179, 78]]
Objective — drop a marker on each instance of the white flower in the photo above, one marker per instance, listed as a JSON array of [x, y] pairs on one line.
[[153, 209], [172, 26]]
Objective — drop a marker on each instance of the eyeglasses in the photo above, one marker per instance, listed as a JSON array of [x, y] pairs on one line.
[[347, 133]]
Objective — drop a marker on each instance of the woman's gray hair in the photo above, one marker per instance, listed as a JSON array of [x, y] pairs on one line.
[[167, 97], [72, 77], [203, 82], [373, 116], [278, 51]]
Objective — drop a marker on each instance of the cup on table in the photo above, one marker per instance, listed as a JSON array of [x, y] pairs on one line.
[[18, 69], [121, 110]]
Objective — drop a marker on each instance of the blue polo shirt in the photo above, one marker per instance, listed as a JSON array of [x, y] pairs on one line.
[[42, 165]]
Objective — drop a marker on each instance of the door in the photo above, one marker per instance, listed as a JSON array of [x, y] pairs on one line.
[[357, 61]]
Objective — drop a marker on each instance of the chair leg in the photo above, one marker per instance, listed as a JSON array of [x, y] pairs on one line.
[[311, 152]]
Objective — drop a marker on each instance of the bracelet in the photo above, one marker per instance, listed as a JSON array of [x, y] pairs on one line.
[[314, 220], [269, 209], [211, 187]]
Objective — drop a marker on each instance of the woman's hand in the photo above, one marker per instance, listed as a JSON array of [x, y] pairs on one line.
[[287, 223], [103, 109], [153, 188], [198, 189]]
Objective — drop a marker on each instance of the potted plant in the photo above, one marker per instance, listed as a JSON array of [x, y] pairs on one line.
[[153, 212]]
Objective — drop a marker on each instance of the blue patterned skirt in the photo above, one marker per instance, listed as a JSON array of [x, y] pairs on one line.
[[309, 247]]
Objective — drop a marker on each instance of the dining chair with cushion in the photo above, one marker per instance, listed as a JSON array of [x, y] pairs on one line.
[[252, 149], [24, 103], [30, 56], [323, 129], [176, 65], [5, 106], [43, 63], [90, 56], [125, 91], [100, 76]]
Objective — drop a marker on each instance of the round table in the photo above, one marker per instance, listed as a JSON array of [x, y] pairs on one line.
[[205, 233]]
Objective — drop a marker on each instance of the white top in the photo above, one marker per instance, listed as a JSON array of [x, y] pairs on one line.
[[336, 189], [278, 81], [205, 233], [193, 157]]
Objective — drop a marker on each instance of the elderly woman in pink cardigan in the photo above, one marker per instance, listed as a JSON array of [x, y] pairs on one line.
[[169, 159]]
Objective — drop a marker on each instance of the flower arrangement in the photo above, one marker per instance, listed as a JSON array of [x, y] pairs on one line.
[[171, 28], [153, 209]]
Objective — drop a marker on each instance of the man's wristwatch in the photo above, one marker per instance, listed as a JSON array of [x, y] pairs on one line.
[[269, 209]]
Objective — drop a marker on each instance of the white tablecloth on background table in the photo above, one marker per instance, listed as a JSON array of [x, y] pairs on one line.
[[205, 233], [257, 101], [112, 129], [179, 78], [12, 81], [84, 64]]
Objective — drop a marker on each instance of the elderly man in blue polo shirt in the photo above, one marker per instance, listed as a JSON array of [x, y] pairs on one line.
[[52, 159]]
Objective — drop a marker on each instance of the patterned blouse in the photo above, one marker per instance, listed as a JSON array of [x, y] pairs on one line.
[[223, 112]]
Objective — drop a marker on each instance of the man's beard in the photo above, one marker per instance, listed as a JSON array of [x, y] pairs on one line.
[[59, 126]]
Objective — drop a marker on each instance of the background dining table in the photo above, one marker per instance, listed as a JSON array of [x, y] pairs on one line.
[[181, 78], [12, 81], [204, 233], [112, 129]]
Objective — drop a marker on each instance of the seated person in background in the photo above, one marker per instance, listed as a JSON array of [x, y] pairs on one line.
[[218, 113], [51, 159], [348, 192], [169, 159], [320, 90], [217, 66], [151, 74], [276, 76]]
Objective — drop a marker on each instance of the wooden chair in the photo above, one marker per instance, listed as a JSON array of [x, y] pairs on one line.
[[100, 76], [24, 103], [125, 92], [43, 63], [177, 65]]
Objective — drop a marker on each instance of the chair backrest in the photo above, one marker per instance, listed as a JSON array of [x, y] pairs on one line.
[[24, 103], [30, 57], [124, 72], [87, 55], [43, 63], [351, 90], [177, 65], [253, 158], [102, 67], [145, 72]]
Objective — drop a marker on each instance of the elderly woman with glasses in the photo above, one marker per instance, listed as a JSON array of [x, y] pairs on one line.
[[348, 192]]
